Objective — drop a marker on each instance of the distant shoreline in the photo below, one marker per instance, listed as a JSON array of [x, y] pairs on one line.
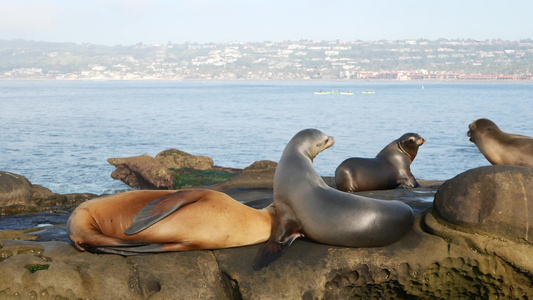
[[304, 60], [277, 80]]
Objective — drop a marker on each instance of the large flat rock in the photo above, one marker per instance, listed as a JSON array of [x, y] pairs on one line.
[[436, 260], [420, 265]]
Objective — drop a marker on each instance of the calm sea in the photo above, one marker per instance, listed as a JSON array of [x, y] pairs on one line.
[[59, 134]]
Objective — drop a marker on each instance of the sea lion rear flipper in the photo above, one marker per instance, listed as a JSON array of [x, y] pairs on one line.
[[158, 209], [279, 242], [126, 249], [271, 251]]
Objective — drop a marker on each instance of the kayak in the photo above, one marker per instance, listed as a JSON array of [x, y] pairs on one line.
[[368, 93]]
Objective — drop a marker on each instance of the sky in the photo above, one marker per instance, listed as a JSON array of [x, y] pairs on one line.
[[128, 22]]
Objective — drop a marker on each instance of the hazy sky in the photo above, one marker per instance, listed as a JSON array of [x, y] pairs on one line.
[[126, 22]]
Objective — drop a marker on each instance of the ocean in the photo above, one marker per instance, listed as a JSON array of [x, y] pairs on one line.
[[59, 134]]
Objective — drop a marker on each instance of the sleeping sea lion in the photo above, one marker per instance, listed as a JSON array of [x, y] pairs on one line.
[[148, 221]]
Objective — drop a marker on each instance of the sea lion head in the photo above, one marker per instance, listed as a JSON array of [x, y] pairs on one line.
[[311, 142], [409, 144], [479, 127]]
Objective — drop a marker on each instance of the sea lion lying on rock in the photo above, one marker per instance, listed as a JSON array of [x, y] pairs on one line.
[[148, 221], [501, 148], [388, 170], [307, 206]]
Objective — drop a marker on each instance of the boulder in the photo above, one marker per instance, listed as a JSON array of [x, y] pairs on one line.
[[493, 200], [39, 192], [258, 175], [144, 172], [14, 189], [18, 196], [176, 159], [45, 197]]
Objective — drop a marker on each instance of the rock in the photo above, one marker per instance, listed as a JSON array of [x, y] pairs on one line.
[[498, 252], [75, 199], [14, 189], [258, 175], [190, 178], [19, 234], [144, 172], [39, 192], [494, 200], [261, 165], [176, 159], [19, 196], [44, 197], [438, 259], [59, 270], [419, 266]]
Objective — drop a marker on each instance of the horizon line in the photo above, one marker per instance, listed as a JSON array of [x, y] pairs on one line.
[[270, 41]]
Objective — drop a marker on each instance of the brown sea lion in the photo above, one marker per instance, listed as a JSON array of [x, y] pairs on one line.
[[307, 206], [148, 221], [388, 170], [501, 148]]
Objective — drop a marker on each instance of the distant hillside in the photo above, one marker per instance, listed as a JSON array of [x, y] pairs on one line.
[[290, 60]]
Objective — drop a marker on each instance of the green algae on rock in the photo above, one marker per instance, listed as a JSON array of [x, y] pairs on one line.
[[37, 267], [187, 177]]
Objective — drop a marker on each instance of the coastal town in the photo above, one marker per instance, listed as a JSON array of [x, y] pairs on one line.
[[437, 60]]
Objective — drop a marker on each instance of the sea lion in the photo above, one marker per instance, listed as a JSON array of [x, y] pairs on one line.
[[501, 148], [388, 170], [148, 221], [306, 206]]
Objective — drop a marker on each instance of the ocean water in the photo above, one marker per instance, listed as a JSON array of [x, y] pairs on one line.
[[59, 134]]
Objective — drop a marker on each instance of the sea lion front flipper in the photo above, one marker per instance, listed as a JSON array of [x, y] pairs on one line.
[[280, 240], [158, 209], [408, 181]]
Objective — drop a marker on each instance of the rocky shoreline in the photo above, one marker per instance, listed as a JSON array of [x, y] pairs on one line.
[[474, 241]]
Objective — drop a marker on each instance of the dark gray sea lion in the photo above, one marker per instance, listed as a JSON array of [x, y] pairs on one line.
[[164, 220], [388, 170], [307, 206], [501, 148]]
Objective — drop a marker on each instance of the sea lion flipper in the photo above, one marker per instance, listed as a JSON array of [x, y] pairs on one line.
[[158, 209], [408, 181], [271, 251], [281, 238], [127, 249]]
